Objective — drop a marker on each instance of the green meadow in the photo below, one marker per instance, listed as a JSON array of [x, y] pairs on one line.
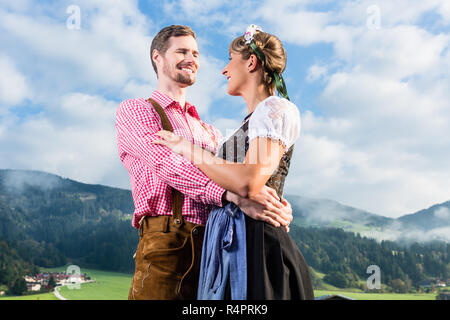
[[115, 286], [377, 296], [106, 286], [40, 296], [358, 294]]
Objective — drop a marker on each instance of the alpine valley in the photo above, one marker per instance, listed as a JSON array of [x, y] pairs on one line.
[[50, 221]]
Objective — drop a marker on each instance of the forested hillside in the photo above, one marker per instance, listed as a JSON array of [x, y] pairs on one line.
[[345, 256], [48, 221]]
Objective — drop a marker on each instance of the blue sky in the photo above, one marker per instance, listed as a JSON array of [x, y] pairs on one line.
[[371, 80]]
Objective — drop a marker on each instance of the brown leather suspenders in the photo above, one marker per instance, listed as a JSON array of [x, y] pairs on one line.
[[177, 196], [157, 237]]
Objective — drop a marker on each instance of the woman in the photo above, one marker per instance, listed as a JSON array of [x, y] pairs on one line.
[[243, 258]]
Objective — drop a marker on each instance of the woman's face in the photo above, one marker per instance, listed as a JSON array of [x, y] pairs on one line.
[[236, 73]]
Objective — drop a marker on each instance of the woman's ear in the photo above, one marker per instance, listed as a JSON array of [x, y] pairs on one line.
[[252, 63]]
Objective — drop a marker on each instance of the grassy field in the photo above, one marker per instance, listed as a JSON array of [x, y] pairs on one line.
[[115, 286], [360, 295], [41, 296], [377, 296], [107, 286]]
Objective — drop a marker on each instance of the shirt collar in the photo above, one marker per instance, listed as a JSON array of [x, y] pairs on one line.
[[165, 101]]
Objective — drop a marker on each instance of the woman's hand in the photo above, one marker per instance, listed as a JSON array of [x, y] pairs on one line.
[[267, 197], [278, 209], [176, 143], [266, 206], [287, 211]]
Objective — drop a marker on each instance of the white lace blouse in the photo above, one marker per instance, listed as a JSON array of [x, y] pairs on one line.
[[276, 118]]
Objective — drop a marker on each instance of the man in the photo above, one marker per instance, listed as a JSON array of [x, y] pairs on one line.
[[172, 196]]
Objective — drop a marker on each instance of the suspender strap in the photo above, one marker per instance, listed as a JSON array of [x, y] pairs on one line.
[[177, 196]]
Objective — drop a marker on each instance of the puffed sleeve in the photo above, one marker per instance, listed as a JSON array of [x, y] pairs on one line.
[[276, 118]]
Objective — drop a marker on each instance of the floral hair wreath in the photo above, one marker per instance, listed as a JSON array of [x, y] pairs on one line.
[[279, 81], [251, 30]]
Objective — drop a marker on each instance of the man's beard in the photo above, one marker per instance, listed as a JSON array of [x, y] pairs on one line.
[[185, 79], [179, 77]]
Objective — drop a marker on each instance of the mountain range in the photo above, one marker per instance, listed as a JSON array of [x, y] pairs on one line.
[[50, 221], [428, 224], [425, 225]]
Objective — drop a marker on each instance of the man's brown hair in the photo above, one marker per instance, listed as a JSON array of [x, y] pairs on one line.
[[161, 40]]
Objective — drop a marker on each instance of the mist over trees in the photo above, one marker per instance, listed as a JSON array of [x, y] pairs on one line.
[[90, 225], [345, 256]]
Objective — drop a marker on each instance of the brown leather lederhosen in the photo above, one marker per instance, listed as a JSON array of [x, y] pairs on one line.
[[169, 250]]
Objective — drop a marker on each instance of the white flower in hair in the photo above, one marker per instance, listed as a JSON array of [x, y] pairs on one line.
[[251, 30]]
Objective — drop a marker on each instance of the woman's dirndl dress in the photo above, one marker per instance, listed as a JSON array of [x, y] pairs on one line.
[[275, 267]]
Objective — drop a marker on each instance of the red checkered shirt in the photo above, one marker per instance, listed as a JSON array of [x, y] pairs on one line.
[[154, 169]]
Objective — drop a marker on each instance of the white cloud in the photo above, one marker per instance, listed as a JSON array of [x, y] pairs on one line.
[[316, 72], [378, 138], [381, 142], [440, 234], [391, 13], [75, 139], [110, 48], [13, 85], [108, 56], [410, 235], [138, 89], [385, 161], [442, 213], [110, 52], [85, 111], [444, 10], [399, 52]]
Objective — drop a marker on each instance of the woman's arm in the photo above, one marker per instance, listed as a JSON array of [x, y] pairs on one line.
[[246, 179]]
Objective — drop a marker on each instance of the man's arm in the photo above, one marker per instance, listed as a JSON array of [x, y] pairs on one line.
[[135, 129]]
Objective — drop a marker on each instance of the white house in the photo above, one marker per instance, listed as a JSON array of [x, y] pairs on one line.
[[33, 286]]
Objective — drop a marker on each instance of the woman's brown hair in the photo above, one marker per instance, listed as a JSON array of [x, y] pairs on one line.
[[274, 55]]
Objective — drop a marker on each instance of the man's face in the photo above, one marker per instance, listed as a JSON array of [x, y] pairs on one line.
[[180, 62]]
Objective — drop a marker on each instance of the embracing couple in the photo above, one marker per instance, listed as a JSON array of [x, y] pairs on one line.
[[212, 221]]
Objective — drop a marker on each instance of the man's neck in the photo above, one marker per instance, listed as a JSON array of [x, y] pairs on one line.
[[173, 91]]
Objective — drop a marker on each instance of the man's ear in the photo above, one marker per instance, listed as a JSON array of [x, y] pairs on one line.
[[252, 63], [155, 56]]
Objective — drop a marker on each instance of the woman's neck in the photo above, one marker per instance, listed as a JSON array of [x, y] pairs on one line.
[[254, 95]]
